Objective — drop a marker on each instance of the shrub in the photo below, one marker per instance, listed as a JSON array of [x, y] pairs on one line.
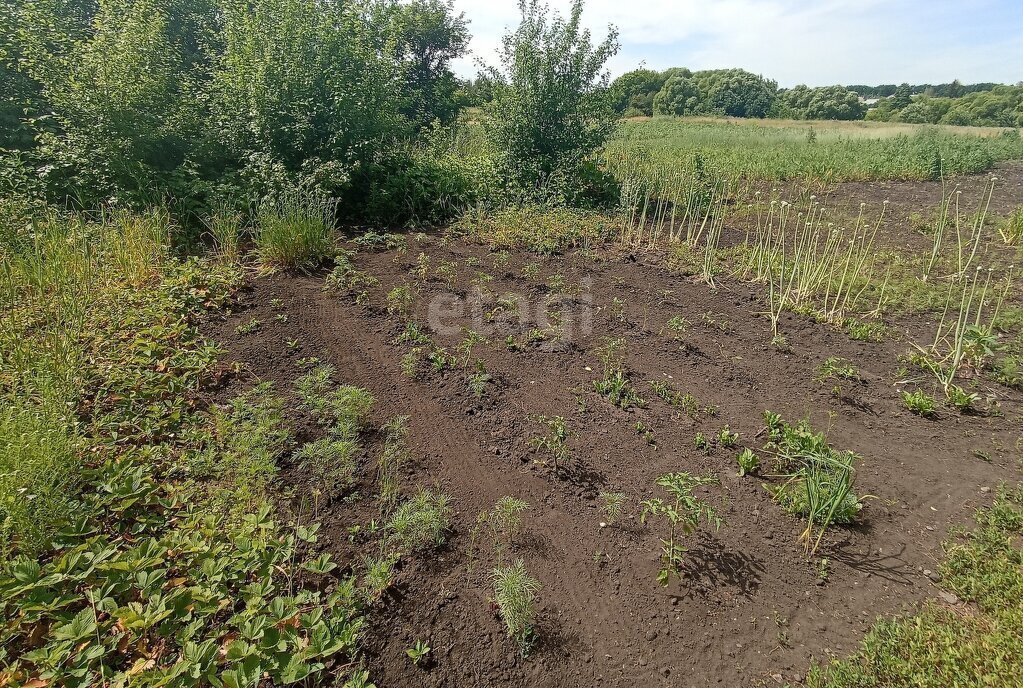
[[515, 594], [420, 522]]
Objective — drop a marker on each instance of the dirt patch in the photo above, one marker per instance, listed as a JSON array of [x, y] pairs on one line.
[[751, 605]]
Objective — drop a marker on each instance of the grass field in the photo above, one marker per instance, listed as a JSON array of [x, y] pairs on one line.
[[824, 152]]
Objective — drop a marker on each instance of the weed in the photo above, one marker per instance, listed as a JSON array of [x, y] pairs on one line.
[[400, 301], [727, 438], [477, 381], [470, 339], [249, 327], [685, 403], [330, 462], [861, 331], [839, 368], [420, 522], [294, 231], [1009, 372], [647, 433], [700, 442], [410, 364], [614, 385], [683, 511], [962, 400], [748, 461], [392, 461], [379, 576], [679, 326], [919, 402], [530, 270], [1011, 229], [819, 479], [515, 593], [418, 652], [613, 503], [555, 442]]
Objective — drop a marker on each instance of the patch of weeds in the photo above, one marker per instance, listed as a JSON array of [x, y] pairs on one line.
[[420, 523], [409, 363], [414, 334], [503, 522], [447, 272], [345, 278], [515, 593], [379, 241], [470, 339], [418, 652], [942, 646], [614, 384], [685, 403], [683, 512], [819, 479], [837, 368], [679, 327], [392, 461], [1009, 372], [344, 406], [861, 331], [378, 576], [700, 442], [535, 336], [530, 270], [919, 402]]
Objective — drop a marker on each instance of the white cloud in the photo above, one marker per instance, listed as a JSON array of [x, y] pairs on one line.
[[796, 41]]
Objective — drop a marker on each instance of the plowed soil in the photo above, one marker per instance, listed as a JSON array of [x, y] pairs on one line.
[[751, 608]]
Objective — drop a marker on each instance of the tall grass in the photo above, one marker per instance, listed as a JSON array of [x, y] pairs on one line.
[[294, 231], [835, 153], [58, 275]]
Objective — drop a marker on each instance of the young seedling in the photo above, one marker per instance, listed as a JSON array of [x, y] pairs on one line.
[[615, 385], [515, 593], [418, 652], [249, 327], [555, 442], [400, 301], [919, 402], [962, 400], [683, 511], [727, 438], [700, 442], [748, 461], [613, 502], [470, 339], [679, 326], [477, 381]]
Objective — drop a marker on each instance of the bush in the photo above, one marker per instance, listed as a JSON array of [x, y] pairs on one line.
[[680, 96]]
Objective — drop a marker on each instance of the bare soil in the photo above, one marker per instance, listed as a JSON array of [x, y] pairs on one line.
[[751, 608]]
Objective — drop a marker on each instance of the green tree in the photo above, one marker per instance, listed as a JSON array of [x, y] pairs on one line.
[[423, 37], [552, 108], [680, 96], [827, 102], [736, 92], [634, 91]]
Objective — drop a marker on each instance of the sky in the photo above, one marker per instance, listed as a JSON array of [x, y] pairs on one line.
[[813, 42]]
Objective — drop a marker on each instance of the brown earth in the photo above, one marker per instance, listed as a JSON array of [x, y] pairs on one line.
[[751, 609]]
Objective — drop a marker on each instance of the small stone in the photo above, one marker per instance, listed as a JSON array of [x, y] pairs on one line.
[[985, 489], [642, 661], [948, 597], [651, 635], [933, 575]]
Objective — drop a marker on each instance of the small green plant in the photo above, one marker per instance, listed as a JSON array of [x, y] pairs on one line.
[[839, 368], [727, 438], [477, 381], [823, 568], [330, 462], [515, 593], [861, 331], [646, 433], [530, 270], [555, 442], [410, 363], [683, 511], [420, 522], [294, 231], [418, 652], [400, 301], [614, 385], [919, 402], [503, 521], [748, 461], [1011, 229], [556, 283], [470, 339], [392, 461], [249, 327], [379, 576], [818, 479], [686, 403], [679, 327], [700, 442], [612, 503], [962, 400]]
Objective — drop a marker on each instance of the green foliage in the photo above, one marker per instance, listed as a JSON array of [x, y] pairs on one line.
[[679, 96], [819, 479], [827, 102], [420, 522], [515, 593], [940, 646], [613, 503], [545, 231], [555, 442], [165, 574], [294, 231], [748, 461], [614, 384], [919, 402], [683, 511], [551, 109]]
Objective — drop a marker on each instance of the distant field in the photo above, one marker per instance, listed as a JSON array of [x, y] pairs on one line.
[[824, 151]]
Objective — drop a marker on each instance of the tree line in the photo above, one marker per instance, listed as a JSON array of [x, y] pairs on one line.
[[739, 93]]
